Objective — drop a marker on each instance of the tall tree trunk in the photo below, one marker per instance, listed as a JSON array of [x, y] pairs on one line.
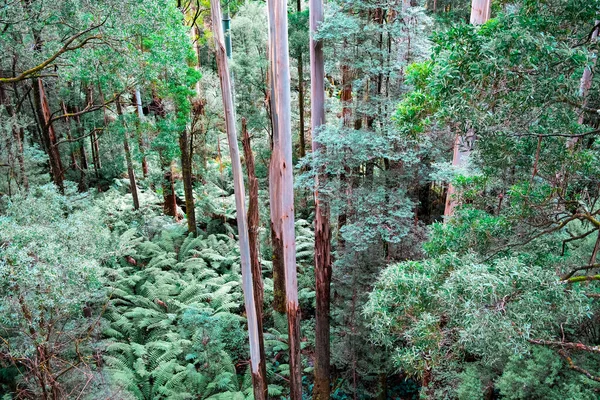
[[130, 171], [83, 163], [48, 134], [141, 141], [480, 13], [253, 225], [239, 191], [16, 134], [168, 188], [188, 189], [279, 295], [302, 147], [321, 390], [72, 154], [282, 151]]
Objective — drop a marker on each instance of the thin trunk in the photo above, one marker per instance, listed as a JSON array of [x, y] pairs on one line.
[[302, 139], [82, 156], [141, 141], [253, 241], [282, 151], [480, 14], [321, 390], [72, 154], [253, 330], [18, 141], [130, 171]]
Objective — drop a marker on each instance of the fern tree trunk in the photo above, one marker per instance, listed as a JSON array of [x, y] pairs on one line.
[[258, 380], [282, 157], [130, 170], [480, 13], [321, 390]]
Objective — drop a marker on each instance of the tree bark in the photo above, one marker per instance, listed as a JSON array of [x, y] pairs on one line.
[[239, 191], [188, 189], [282, 152], [321, 390], [16, 138], [279, 295], [168, 187], [302, 140], [253, 225], [480, 11], [130, 170], [48, 134], [141, 141]]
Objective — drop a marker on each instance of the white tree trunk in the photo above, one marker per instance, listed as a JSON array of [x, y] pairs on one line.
[[239, 191], [282, 157]]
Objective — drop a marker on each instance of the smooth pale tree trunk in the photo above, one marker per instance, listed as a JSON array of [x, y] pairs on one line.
[[83, 164], [302, 139], [321, 389], [258, 381], [480, 14], [130, 170], [282, 158], [480, 11], [141, 141], [253, 241], [279, 295]]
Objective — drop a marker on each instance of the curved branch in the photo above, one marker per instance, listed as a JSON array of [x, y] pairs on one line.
[[65, 48]]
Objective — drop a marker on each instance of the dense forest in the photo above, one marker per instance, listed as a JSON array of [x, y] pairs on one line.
[[341, 199]]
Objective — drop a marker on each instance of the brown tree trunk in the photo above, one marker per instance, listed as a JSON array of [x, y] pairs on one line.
[[239, 191], [168, 187], [321, 389], [48, 134], [253, 225], [130, 171], [282, 155], [188, 189], [16, 134]]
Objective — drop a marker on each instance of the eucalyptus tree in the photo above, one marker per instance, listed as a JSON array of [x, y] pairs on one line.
[[321, 389], [284, 191], [256, 358]]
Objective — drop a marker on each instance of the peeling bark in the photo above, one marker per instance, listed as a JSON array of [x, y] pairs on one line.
[[239, 191], [321, 389]]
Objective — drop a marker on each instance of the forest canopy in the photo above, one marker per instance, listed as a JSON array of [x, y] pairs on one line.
[[315, 199]]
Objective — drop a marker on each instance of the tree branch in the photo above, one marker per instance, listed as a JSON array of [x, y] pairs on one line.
[[65, 48]]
